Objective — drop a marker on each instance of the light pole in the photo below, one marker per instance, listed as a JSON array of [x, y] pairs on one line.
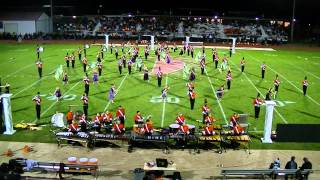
[[293, 20]]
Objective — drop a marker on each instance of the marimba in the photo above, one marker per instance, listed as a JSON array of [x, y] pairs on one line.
[[80, 137]]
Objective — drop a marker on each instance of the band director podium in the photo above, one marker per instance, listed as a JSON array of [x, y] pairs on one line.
[[6, 103]]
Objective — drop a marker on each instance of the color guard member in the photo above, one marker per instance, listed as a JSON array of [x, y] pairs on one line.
[[305, 85], [37, 100]]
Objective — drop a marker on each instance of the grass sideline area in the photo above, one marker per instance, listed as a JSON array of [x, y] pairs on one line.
[[17, 62]]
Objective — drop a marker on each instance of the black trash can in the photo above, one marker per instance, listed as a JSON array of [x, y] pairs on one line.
[[138, 174]]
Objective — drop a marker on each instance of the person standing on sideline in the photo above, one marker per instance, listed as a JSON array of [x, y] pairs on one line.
[[37, 100], [242, 64], [257, 102], [85, 101], [84, 63], [263, 70], [39, 65], [192, 97], [305, 85], [229, 78], [86, 81], [159, 76], [276, 83]]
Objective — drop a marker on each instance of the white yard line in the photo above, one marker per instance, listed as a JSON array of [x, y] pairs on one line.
[[25, 67], [250, 81], [215, 95], [164, 105], [57, 101], [105, 108], [31, 85], [314, 101]]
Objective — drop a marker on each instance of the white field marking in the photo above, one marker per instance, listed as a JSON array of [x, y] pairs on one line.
[[317, 77], [215, 95], [105, 108], [164, 105], [250, 81], [28, 87], [57, 101], [31, 85], [18, 71], [287, 81]]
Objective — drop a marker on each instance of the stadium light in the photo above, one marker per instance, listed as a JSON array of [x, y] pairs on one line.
[[257, 18], [215, 17], [294, 20], [74, 17]]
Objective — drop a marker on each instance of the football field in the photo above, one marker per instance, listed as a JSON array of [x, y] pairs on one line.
[[17, 62]]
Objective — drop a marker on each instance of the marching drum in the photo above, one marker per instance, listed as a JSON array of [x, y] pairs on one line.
[[83, 160], [93, 161], [72, 160], [174, 128], [192, 128]]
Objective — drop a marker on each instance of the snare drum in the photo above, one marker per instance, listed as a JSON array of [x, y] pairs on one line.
[[83, 160], [72, 160], [174, 128]]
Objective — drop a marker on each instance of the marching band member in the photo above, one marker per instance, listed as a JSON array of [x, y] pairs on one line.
[[138, 119], [148, 127], [215, 58], [86, 82], [184, 129], [107, 119], [72, 59], [263, 70], [159, 76], [190, 86], [209, 119], [205, 110], [164, 93], [192, 52], [130, 66], [85, 101], [192, 75], [208, 130], [116, 53], [112, 93], [202, 64], [99, 65], [118, 128], [237, 130], [73, 127], [39, 65], [79, 53], [192, 97], [146, 53], [220, 92], [66, 58], [188, 50], [257, 102], [180, 119], [37, 101], [95, 78], [145, 73], [229, 78], [58, 93], [269, 94], [234, 120], [97, 122], [65, 78], [120, 64], [242, 64], [38, 51], [84, 63], [69, 117], [276, 83], [83, 123], [305, 85], [120, 114]]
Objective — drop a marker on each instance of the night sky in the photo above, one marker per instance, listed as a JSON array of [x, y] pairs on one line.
[[306, 10]]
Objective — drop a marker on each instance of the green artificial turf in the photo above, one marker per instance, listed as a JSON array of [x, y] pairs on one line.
[[17, 62]]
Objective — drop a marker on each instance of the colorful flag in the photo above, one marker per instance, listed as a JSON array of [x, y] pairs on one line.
[[59, 72]]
